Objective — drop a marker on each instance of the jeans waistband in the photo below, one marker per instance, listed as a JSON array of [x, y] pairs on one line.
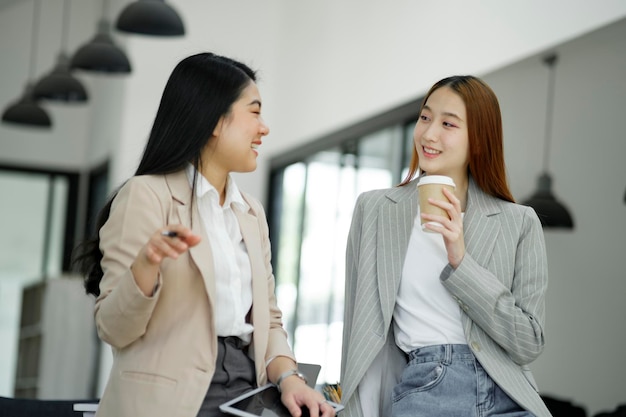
[[441, 353]]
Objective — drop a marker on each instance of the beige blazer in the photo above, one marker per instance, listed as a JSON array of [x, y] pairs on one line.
[[165, 346], [500, 287]]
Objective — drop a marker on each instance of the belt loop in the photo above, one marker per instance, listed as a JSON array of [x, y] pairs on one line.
[[447, 360]]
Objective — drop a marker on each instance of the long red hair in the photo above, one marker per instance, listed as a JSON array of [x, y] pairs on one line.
[[484, 129]]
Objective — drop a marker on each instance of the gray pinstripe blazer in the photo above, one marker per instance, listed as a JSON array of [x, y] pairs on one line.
[[500, 286]]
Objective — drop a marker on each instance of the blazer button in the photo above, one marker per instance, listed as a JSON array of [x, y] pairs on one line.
[[475, 346]]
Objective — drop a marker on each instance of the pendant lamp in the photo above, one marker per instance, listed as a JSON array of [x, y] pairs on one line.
[[26, 111], [60, 84], [101, 54], [551, 212], [150, 17]]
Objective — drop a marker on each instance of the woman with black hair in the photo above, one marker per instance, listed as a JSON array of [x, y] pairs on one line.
[[181, 264]]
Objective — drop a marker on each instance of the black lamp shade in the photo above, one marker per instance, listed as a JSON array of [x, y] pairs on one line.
[[101, 55], [551, 213], [150, 17], [27, 112], [60, 84]]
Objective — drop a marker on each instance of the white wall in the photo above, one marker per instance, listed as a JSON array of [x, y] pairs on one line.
[[328, 64]]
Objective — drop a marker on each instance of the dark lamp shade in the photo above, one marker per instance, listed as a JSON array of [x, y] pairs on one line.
[[101, 55], [60, 84], [150, 17], [553, 215], [27, 112]]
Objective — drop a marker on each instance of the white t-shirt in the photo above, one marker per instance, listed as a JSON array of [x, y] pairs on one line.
[[425, 313]]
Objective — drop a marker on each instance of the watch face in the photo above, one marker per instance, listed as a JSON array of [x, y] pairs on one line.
[[302, 377]]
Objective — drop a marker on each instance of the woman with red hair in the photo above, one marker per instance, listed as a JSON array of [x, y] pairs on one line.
[[444, 320]]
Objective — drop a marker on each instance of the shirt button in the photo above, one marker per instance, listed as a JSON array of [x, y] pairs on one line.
[[475, 346]]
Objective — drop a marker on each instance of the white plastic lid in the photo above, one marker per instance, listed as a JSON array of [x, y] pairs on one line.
[[436, 179]]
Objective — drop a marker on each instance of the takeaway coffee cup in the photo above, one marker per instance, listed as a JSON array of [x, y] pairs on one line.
[[431, 186]]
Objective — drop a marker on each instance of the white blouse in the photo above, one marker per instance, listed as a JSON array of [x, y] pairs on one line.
[[233, 275]]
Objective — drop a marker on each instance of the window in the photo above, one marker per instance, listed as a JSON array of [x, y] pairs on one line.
[[312, 195], [34, 226], [42, 217]]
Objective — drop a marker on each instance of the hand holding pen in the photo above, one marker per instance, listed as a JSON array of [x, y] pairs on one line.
[[164, 243]]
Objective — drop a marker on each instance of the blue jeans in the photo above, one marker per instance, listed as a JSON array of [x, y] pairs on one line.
[[447, 380]]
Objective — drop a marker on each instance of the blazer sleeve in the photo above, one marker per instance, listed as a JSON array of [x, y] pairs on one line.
[[510, 311], [351, 269], [122, 311]]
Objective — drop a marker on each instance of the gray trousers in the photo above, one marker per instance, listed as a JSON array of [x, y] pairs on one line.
[[234, 375]]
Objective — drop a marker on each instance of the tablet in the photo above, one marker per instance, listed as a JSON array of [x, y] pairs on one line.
[[263, 402]]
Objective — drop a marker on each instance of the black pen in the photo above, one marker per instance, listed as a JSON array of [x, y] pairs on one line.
[[169, 233]]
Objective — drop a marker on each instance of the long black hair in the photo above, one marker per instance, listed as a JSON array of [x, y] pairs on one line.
[[200, 90]]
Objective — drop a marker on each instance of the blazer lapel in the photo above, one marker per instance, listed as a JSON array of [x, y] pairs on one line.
[[480, 225], [201, 254], [395, 223]]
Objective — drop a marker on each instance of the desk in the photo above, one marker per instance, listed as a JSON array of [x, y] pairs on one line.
[[88, 409]]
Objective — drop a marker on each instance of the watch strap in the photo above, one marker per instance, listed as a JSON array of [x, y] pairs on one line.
[[287, 374]]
